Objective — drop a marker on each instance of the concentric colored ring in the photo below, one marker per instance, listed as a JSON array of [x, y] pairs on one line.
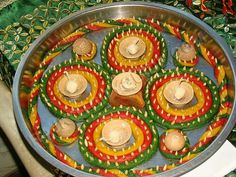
[[100, 154], [152, 61], [147, 58], [75, 109], [204, 100], [185, 118], [102, 147], [187, 111]]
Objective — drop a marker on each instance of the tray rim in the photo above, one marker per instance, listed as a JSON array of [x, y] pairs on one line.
[[184, 168]]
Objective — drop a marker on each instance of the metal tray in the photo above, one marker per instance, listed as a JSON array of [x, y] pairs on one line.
[[115, 11]]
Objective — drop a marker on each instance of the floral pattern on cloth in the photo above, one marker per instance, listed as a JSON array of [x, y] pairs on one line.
[[16, 38], [5, 3]]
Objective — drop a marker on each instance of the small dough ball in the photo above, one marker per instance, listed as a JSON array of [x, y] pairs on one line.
[[65, 127], [179, 93], [186, 52], [71, 86], [174, 140], [82, 46]]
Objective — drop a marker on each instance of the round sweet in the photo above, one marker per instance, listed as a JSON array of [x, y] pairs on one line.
[[127, 83], [149, 54], [186, 52], [174, 144], [84, 49], [65, 127], [82, 46], [197, 114], [72, 85], [93, 99], [132, 47], [174, 141], [131, 154], [64, 132], [116, 132], [178, 93], [185, 56]]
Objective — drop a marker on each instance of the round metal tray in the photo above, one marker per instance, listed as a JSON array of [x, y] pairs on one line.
[[114, 11]]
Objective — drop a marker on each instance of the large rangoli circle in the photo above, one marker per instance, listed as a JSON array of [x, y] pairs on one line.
[[151, 61], [93, 100], [193, 116], [98, 153], [157, 108]]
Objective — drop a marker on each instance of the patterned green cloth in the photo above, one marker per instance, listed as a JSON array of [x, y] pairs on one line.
[[5, 3], [16, 37]]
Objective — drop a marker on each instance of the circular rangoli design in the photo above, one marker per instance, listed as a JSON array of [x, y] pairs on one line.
[[99, 153], [116, 59], [94, 98], [147, 55], [193, 116]]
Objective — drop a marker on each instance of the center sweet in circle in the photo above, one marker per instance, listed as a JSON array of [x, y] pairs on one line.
[[174, 140], [65, 127], [116, 132], [127, 83], [72, 85], [178, 92], [132, 47]]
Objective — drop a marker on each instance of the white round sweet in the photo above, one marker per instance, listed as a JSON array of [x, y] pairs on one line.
[[65, 127], [180, 93], [174, 140]]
